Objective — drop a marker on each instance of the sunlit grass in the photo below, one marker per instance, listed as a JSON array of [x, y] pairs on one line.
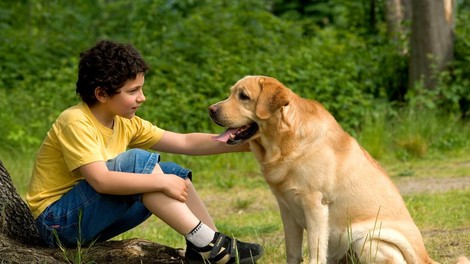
[[19, 165], [442, 210], [444, 221]]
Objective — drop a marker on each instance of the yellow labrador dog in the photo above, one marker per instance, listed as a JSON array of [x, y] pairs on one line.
[[323, 180]]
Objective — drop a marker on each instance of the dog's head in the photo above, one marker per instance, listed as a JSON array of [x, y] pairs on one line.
[[252, 100]]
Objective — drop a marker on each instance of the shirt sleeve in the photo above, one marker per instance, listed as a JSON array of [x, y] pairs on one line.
[[146, 134], [80, 145]]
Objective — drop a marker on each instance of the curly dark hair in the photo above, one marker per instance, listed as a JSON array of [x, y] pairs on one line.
[[107, 65]]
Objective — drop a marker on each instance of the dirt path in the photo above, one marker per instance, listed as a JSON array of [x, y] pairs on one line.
[[411, 185]]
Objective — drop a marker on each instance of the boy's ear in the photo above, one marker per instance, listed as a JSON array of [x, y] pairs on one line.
[[101, 94]]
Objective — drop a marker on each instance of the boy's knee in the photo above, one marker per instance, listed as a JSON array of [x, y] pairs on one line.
[[173, 168], [134, 153], [134, 160]]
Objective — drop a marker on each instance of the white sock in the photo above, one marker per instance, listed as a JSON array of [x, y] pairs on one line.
[[201, 235]]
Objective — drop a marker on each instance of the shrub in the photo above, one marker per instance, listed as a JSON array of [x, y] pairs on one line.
[[196, 50]]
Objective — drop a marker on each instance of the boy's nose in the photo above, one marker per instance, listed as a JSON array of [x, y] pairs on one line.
[[141, 98]]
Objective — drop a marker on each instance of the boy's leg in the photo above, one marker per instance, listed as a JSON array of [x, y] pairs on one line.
[[201, 248], [194, 201], [204, 244], [134, 216], [173, 212], [197, 206], [180, 216], [83, 215]]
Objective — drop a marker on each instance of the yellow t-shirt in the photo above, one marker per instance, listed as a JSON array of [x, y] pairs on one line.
[[77, 138]]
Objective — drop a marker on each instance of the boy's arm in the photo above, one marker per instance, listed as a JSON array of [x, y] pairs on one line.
[[126, 183], [195, 144]]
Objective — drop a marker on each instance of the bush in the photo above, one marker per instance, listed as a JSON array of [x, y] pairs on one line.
[[196, 50]]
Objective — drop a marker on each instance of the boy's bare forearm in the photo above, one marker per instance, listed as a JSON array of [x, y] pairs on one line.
[[195, 144]]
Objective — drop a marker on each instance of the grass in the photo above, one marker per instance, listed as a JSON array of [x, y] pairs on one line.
[[447, 214], [74, 256], [410, 134], [444, 221], [417, 145], [19, 165]]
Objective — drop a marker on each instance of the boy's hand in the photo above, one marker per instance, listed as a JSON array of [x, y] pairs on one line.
[[175, 187]]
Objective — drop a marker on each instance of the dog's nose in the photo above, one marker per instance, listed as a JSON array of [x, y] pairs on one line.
[[213, 108]]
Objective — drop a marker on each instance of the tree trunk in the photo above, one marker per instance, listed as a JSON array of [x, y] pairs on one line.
[[397, 14], [16, 221], [20, 242], [432, 40]]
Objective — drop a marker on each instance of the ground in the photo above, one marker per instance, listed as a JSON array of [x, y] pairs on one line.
[[412, 185]]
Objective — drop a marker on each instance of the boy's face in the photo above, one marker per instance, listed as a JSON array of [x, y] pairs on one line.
[[128, 99]]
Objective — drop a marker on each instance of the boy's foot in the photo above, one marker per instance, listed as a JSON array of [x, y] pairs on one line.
[[224, 250]]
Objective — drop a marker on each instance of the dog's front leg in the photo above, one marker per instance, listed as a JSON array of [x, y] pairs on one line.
[[316, 217], [293, 234]]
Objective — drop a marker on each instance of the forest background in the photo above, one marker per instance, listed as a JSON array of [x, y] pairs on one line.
[[335, 51], [338, 52]]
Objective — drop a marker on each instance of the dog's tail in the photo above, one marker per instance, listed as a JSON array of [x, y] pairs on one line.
[[382, 244]]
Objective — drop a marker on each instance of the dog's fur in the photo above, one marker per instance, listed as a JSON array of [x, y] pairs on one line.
[[323, 180]]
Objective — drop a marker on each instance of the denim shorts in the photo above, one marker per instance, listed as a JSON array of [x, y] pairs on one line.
[[83, 215]]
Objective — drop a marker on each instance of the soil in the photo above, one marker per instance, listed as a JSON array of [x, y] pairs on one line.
[[412, 185]]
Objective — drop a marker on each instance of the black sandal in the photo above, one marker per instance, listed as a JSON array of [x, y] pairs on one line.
[[224, 250]]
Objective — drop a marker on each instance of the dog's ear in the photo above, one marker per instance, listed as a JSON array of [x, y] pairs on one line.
[[273, 96]]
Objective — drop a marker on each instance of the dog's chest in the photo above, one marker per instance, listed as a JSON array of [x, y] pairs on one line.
[[296, 189], [284, 185], [277, 175], [291, 203], [291, 174]]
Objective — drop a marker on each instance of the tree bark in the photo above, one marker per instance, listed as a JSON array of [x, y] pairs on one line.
[[397, 14], [20, 241], [432, 40], [16, 221]]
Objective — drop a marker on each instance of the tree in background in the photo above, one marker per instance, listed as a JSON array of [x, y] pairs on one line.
[[432, 40], [341, 52], [397, 13], [421, 30]]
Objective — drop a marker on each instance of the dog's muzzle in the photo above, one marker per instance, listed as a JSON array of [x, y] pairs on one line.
[[233, 135]]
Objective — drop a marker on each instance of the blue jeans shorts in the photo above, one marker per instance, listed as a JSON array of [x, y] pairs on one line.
[[83, 216]]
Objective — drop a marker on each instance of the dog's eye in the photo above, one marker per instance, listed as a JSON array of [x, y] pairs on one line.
[[242, 96]]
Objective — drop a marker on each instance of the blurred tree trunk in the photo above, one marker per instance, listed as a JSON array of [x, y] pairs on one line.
[[394, 16], [398, 15], [432, 40], [20, 242]]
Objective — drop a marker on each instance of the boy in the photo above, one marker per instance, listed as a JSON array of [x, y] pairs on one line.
[[91, 170]]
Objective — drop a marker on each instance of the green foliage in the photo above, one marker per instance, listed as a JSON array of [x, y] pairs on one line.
[[197, 50], [359, 15], [413, 132], [456, 84]]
